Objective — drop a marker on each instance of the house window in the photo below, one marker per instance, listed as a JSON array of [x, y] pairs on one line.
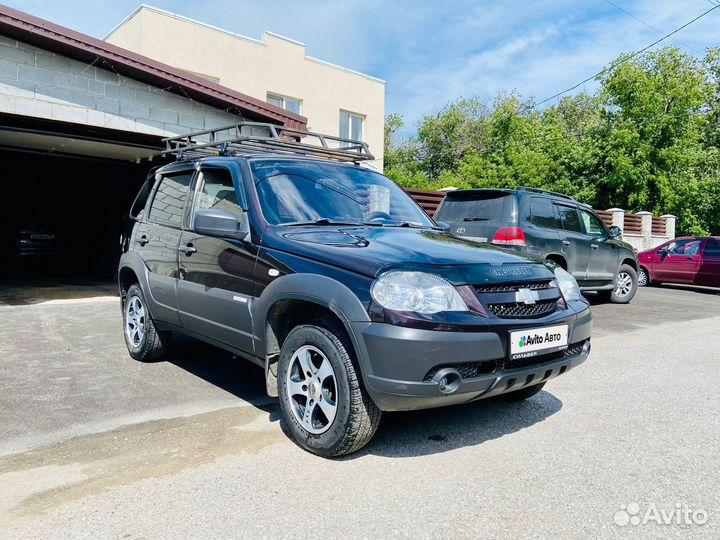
[[284, 102], [351, 126]]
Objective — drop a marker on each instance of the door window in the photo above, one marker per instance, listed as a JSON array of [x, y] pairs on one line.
[[217, 192], [684, 247], [169, 202], [569, 218], [592, 224], [712, 248], [542, 213]]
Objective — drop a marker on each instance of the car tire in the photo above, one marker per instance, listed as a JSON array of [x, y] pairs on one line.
[[317, 367], [522, 394], [644, 278], [626, 285], [143, 340]]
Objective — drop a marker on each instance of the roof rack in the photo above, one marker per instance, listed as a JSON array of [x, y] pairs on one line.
[[554, 193], [258, 138]]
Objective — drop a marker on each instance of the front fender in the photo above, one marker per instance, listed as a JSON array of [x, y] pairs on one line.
[[314, 288]]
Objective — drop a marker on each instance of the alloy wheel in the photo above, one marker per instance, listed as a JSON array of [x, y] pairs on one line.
[[624, 284], [311, 389], [642, 278], [135, 321]]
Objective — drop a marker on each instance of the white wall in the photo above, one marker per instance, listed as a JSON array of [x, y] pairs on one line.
[[253, 67]]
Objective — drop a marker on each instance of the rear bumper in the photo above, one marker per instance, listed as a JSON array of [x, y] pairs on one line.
[[398, 363]]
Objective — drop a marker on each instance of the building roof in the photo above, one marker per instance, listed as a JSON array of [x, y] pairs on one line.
[[66, 42]]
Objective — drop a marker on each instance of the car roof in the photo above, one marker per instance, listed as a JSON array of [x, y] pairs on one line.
[[259, 157], [526, 191]]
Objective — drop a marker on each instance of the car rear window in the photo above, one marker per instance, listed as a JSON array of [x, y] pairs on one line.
[[477, 207]]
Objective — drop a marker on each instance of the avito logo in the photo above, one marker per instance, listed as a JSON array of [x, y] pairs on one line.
[[537, 339]]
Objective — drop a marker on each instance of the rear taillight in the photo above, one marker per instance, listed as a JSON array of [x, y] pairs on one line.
[[509, 236]]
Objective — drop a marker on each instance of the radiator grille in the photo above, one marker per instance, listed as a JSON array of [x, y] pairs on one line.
[[517, 310]]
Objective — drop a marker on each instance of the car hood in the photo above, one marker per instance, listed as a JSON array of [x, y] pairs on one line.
[[374, 250]]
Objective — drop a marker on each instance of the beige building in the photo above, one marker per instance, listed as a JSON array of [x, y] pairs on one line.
[[335, 100]]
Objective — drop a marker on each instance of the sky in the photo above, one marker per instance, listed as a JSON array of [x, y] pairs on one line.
[[430, 53]]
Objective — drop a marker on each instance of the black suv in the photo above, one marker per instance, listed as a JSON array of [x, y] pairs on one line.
[[549, 226], [330, 277]]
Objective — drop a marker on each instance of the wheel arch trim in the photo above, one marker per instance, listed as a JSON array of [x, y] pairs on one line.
[[336, 297]]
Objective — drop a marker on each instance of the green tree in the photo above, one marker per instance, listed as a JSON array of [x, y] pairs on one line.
[[648, 139]]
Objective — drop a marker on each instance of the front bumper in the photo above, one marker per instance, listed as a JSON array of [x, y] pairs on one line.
[[398, 362]]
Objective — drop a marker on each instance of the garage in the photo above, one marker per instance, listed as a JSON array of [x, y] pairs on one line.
[[81, 126], [66, 194]]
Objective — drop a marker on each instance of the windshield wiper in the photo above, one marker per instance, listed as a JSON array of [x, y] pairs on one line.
[[476, 219], [321, 221], [411, 224]]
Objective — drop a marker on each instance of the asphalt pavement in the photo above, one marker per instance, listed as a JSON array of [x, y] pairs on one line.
[[94, 444]]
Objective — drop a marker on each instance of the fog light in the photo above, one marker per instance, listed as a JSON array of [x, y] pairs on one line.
[[586, 348], [448, 380]]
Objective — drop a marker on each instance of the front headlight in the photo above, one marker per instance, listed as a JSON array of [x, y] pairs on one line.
[[568, 285], [416, 291]]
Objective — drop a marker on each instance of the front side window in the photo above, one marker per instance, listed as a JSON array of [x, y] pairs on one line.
[[284, 102], [169, 202], [592, 224], [569, 218], [351, 126], [217, 192], [684, 247], [305, 192]]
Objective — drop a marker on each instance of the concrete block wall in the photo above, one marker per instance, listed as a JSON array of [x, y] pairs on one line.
[[41, 84]]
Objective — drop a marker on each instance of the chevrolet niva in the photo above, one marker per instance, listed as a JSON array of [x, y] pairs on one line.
[[330, 277]]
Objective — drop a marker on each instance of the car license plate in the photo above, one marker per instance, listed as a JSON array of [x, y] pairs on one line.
[[534, 341]]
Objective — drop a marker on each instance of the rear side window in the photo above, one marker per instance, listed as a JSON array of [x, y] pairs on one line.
[[542, 213], [569, 218], [712, 248], [169, 202], [477, 207]]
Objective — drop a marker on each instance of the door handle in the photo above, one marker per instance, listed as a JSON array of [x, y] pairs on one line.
[[188, 249], [142, 240], [566, 242], [594, 246]]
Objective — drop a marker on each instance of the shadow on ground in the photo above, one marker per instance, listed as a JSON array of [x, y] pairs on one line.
[[690, 288], [225, 370], [432, 431], [401, 434]]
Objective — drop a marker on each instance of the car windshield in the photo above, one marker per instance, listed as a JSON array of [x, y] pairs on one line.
[[298, 192]]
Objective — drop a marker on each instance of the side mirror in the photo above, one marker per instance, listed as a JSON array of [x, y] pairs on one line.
[[662, 252], [217, 223], [444, 226], [615, 232]]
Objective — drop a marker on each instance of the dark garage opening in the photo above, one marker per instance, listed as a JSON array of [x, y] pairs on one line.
[[66, 190], [63, 215]]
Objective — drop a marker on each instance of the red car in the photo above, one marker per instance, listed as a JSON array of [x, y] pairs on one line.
[[691, 259]]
